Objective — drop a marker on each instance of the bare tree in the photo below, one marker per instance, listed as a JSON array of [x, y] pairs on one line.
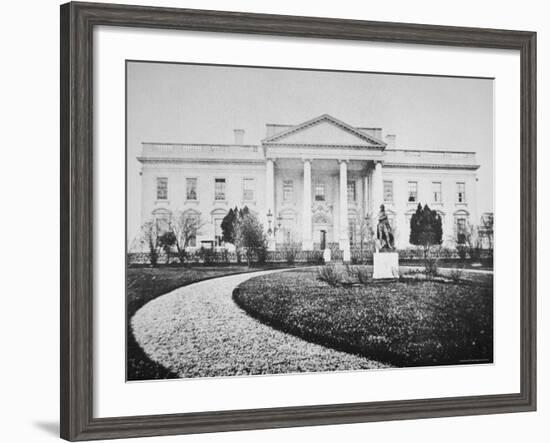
[[148, 238], [487, 229], [186, 227]]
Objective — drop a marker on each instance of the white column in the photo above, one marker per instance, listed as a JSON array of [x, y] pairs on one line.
[[307, 239], [365, 195], [344, 234], [270, 200], [377, 191]]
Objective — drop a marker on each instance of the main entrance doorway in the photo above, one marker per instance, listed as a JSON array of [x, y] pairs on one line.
[[323, 239]]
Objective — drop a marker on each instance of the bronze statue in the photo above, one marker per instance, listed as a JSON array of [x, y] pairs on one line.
[[384, 232]]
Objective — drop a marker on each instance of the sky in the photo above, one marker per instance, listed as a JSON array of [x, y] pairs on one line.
[[184, 103]]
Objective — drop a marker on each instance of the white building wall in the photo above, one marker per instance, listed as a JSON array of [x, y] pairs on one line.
[[205, 204], [448, 207], [234, 174]]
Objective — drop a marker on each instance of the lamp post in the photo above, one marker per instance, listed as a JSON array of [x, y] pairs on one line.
[[269, 221]]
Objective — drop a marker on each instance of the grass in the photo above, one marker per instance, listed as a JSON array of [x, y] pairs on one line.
[[146, 284], [403, 323]]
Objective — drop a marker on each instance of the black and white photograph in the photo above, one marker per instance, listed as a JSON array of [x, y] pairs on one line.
[[295, 220], [232, 221]]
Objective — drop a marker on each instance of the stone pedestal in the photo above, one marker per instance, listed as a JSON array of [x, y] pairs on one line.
[[346, 254], [386, 265], [327, 255]]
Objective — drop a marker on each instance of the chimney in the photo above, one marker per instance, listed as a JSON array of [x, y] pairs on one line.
[[239, 136], [390, 141]]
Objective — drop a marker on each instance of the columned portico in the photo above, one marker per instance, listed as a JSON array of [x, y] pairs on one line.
[[344, 234], [307, 235]]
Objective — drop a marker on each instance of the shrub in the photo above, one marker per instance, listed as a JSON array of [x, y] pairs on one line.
[[474, 252], [430, 267], [166, 241], [290, 251], [488, 259], [351, 270], [329, 274], [148, 237], [456, 275], [224, 256], [207, 255], [261, 254], [362, 275], [462, 251]]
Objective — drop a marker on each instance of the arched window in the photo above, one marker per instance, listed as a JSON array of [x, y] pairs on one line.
[[162, 218], [461, 218], [190, 214], [217, 218]]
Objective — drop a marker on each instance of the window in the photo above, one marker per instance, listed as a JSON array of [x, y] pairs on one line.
[[219, 189], [288, 190], [388, 191], [461, 192], [287, 224], [162, 221], [162, 225], [249, 186], [352, 197], [436, 192], [412, 192], [352, 233], [192, 241], [461, 230], [320, 192], [191, 188], [162, 188]]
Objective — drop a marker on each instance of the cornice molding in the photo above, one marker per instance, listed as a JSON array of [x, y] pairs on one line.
[[321, 146], [200, 160], [429, 166]]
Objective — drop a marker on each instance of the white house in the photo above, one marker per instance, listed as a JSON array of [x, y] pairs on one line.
[[312, 183]]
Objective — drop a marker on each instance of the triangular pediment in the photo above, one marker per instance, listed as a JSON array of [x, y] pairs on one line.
[[325, 130]]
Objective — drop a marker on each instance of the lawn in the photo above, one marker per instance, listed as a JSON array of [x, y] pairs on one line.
[[146, 284], [403, 323]]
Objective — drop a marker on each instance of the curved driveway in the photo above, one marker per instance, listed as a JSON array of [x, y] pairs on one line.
[[198, 331]]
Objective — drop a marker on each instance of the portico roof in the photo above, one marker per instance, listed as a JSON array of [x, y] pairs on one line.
[[324, 130]]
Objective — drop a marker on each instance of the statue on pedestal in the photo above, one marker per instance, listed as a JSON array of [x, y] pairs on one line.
[[384, 232]]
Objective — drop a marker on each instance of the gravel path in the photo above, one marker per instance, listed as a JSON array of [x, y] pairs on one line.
[[198, 331]]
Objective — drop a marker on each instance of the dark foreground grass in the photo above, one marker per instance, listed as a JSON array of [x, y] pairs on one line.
[[403, 323], [146, 284]]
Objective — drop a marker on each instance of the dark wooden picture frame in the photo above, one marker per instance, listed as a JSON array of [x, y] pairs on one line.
[[77, 213]]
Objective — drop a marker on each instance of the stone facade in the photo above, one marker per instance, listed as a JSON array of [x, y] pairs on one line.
[[295, 179]]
